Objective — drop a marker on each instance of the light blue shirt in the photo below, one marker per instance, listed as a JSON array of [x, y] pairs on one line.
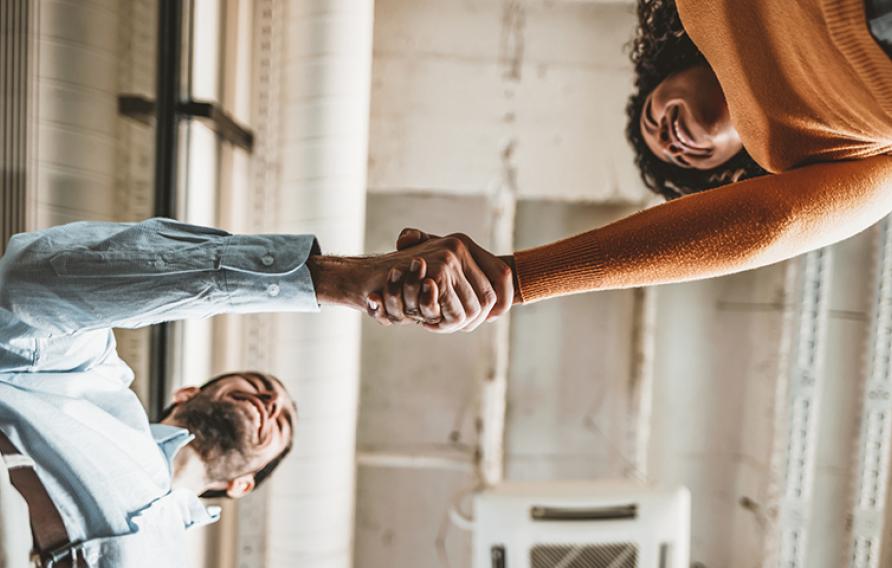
[[64, 392]]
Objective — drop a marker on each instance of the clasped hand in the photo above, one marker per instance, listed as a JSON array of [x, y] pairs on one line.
[[451, 284]]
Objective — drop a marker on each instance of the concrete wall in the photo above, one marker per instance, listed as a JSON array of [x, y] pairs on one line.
[[418, 397], [471, 97], [460, 88], [469, 100], [567, 400]]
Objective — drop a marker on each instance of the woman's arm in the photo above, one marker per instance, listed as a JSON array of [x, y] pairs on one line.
[[737, 227]]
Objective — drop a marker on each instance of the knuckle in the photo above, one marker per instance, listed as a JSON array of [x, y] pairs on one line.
[[437, 271], [453, 243], [489, 298], [454, 314], [450, 258]]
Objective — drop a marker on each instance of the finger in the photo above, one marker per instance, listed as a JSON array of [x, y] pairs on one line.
[[470, 304], [486, 295], [393, 296], [429, 302], [410, 237], [375, 309], [499, 271], [412, 286], [452, 310], [501, 276]]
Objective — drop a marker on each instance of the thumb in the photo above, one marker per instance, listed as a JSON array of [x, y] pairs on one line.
[[411, 237]]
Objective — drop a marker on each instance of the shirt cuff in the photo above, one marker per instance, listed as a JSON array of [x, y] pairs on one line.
[[268, 273]]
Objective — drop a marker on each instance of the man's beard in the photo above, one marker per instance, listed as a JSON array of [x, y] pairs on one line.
[[221, 438]]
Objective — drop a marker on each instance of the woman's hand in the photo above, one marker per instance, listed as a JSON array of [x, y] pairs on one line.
[[433, 295]]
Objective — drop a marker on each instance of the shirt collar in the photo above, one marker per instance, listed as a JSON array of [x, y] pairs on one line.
[[170, 440], [194, 513]]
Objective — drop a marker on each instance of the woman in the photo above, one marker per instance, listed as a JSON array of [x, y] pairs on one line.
[[668, 64], [802, 87]]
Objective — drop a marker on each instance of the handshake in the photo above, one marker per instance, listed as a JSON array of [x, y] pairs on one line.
[[444, 284]]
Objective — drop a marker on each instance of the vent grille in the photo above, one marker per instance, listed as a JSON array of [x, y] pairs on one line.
[[616, 555], [16, 67]]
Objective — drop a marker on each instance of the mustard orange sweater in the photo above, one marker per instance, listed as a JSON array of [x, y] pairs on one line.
[[810, 92]]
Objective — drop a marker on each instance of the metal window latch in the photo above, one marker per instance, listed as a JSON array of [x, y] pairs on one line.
[[142, 109]]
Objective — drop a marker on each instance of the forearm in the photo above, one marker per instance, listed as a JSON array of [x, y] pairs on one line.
[[340, 281], [727, 230], [87, 276]]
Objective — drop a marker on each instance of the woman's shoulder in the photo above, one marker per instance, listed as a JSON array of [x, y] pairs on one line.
[[772, 60]]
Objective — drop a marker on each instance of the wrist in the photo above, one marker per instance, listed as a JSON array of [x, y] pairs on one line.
[[340, 280], [509, 260]]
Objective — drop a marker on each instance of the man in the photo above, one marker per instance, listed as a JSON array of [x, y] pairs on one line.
[[103, 487]]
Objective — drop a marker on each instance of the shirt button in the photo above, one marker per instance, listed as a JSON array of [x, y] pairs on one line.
[[272, 290], [267, 260]]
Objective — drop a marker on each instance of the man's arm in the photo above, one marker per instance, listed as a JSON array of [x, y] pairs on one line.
[[87, 276]]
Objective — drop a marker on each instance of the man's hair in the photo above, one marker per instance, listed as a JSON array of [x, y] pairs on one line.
[[267, 470], [661, 47]]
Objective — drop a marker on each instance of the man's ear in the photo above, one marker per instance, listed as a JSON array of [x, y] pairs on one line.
[[240, 486], [185, 394]]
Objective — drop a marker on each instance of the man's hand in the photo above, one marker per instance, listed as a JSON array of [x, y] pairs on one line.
[[447, 289], [409, 300]]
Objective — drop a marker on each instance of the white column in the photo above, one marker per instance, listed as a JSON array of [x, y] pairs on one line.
[[324, 95], [641, 382]]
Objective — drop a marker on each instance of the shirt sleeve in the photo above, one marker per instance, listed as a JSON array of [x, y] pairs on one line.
[[733, 228], [86, 276]]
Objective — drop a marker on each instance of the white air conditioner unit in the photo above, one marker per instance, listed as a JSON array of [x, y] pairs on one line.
[[591, 524]]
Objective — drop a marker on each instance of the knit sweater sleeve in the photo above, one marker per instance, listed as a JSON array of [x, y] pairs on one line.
[[733, 228]]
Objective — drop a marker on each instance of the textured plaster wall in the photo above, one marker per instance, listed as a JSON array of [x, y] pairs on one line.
[[468, 97]]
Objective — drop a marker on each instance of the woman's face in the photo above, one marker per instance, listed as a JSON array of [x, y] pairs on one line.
[[685, 121]]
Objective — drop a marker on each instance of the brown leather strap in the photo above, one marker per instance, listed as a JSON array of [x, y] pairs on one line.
[[47, 526]]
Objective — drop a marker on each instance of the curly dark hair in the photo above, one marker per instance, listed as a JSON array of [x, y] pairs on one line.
[[661, 47]]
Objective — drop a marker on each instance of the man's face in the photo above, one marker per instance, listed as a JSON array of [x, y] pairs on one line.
[[240, 422]]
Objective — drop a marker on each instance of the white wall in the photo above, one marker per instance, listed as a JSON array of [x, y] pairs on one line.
[[568, 390], [461, 88], [418, 397], [469, 98]]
